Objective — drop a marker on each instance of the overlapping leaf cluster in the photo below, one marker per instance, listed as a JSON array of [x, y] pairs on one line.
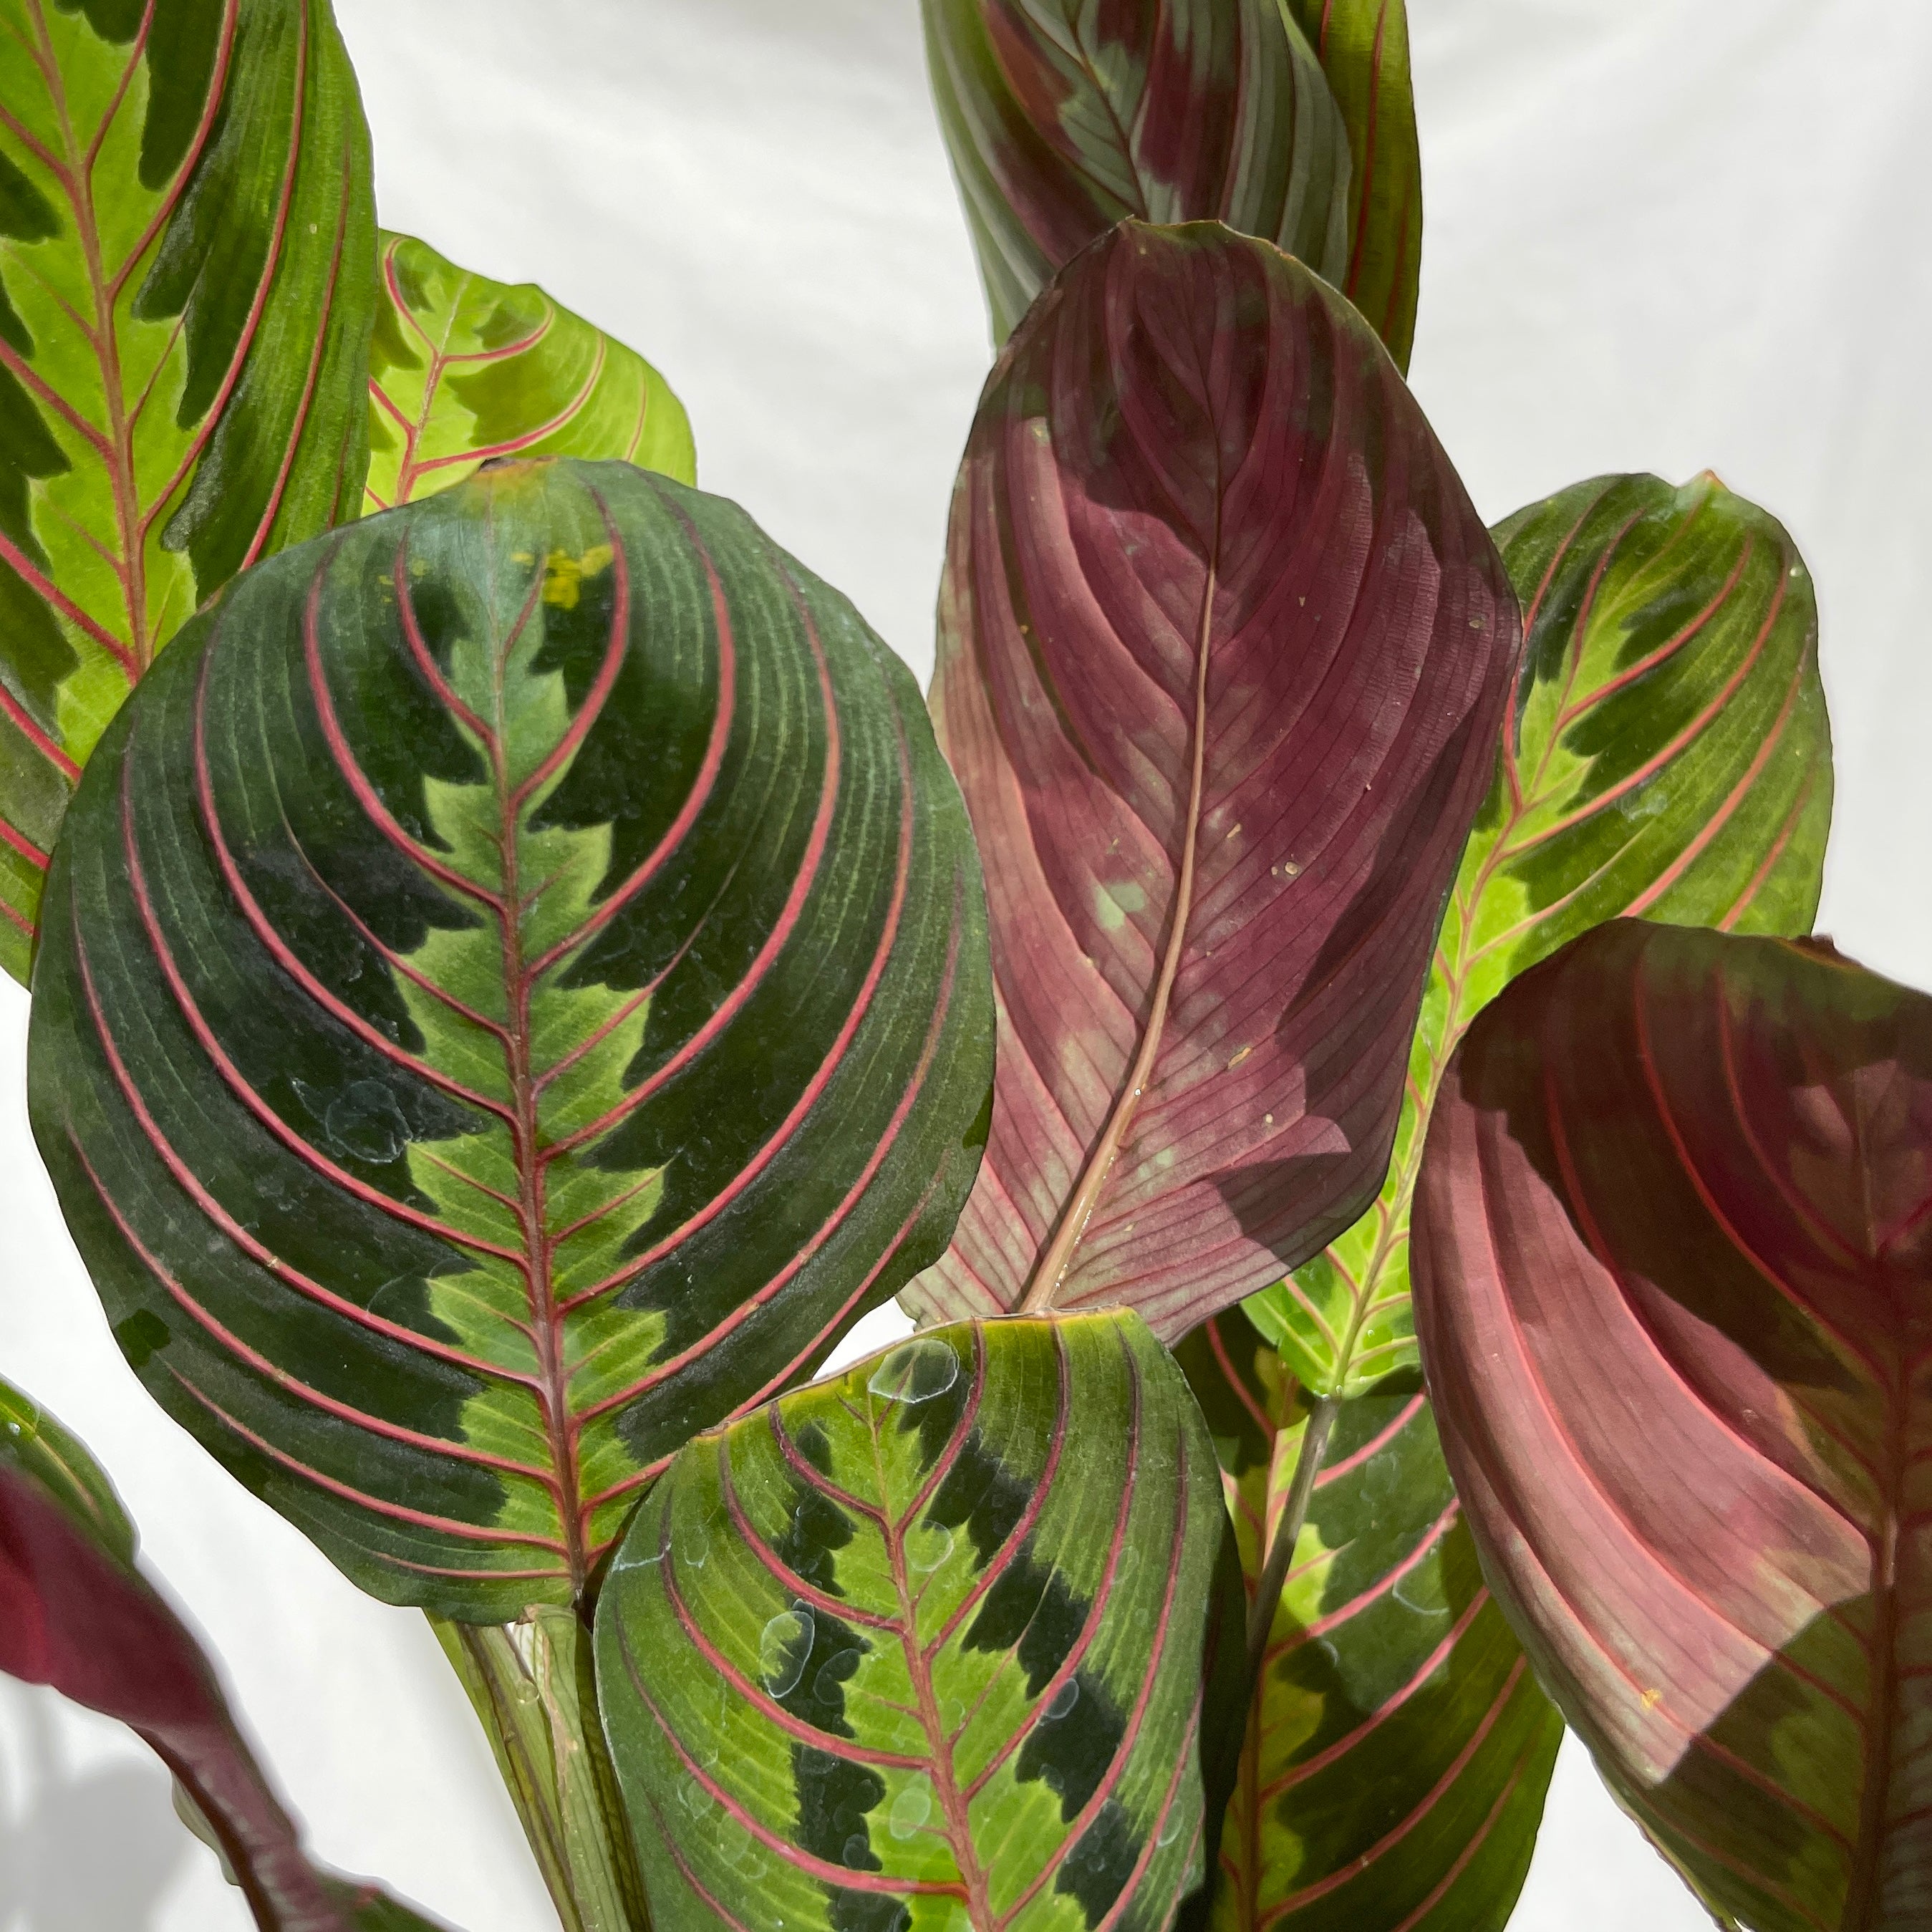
[[518, 983]]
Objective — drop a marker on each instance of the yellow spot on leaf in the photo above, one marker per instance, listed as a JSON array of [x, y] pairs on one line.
[[563, 574], [1112, 904], [1652, 1699]]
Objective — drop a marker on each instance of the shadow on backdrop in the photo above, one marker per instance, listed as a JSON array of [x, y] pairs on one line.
[[95, 1850]]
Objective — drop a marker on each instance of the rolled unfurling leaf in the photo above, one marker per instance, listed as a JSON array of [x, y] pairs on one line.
[[463, 369], [1062, 121], [515, 993], [1223, 651], [186, 287], [924, 1645], [1398, 1750], [76, 1614], [1673, 1268], [1363, 46], [1666, 753]]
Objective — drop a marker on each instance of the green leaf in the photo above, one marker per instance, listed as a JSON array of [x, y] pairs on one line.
[[515, 991], [1399, 1749], [1667, 754], [39, 1448], [1364, 48], [923, 1645], [1062, 122], [77, 1615], [187, 288], [462, 369]]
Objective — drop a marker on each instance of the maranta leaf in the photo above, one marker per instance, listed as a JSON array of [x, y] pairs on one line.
[[187, 288], [1063, 118], [1399, 1749], [515, 992], [1667, 753], [76, 1613], [1673, 1276], [1224, 651], [463, 369], [922, 1646], [1363, 46]]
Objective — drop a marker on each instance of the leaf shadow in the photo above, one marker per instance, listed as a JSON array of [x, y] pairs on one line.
[[1759, 1859], [81, 1850]]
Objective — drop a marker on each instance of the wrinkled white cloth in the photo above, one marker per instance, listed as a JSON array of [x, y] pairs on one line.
[[1660, 234]]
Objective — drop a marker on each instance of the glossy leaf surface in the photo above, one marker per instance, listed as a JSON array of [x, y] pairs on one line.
[[1363, 46], [923, 1645], [1675, 1290], [1223, 652], [463, 369], [1398, 1750], [518, 993], [1063, 118], [1666, 753], [186, 287], [75, 1613]]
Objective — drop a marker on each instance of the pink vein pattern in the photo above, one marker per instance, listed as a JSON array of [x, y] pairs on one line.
[[893, 1673], [1674, 1284], [1224, 649], [804, 895]]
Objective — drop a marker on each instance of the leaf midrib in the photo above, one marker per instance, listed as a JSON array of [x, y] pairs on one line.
[[1057, 1263]]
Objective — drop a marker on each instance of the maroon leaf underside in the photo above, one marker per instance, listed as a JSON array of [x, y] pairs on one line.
[[1673, 1271], [73, 1617], [1223, 651]]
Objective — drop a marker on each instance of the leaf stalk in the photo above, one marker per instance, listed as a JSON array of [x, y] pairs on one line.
[[530, 1685], [1315, 1437]]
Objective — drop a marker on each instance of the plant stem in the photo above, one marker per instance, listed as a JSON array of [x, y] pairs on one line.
[[1320, 1426], [530, 1684]]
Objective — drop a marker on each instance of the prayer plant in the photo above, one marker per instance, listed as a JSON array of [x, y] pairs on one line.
[[1414, 1243]]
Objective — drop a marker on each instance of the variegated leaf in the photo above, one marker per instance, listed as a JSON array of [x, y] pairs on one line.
[[1673, 1276], [1224, 649], [923, 1645], [1063, 117], [76, 1613], [1363, 46], [186, 287], [515, 992], [1667, 753], [1398, 1750], [463, 369]]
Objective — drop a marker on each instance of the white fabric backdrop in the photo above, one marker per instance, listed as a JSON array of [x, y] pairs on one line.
[[1662, 234]]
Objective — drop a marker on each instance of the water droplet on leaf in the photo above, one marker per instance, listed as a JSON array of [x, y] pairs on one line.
[[783, 1650], [910, 1808], [928, 1546], [1064, 1700], [916, 1373]]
